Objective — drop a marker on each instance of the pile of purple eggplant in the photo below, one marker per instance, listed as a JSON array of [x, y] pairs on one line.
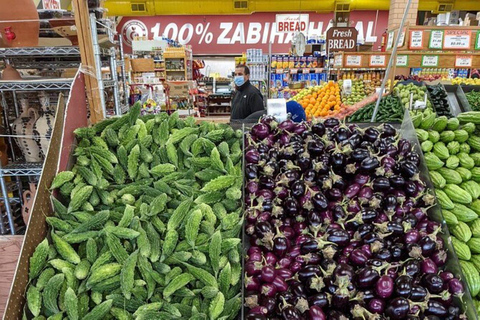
[[338, 228]]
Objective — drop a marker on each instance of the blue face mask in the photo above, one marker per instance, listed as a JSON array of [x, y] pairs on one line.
[[239, 81]]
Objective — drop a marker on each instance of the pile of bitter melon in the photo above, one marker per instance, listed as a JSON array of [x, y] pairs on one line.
[[146, 224]]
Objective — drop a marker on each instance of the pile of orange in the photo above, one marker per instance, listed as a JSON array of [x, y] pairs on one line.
[[323, 102]]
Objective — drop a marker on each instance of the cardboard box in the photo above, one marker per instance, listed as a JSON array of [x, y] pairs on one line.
[[71, 114], [453, 18], [180, 88], [142, 65]]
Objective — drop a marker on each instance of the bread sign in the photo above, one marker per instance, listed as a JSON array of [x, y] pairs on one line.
[[341, 39]]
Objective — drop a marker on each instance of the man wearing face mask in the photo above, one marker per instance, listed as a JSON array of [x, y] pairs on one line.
[[247, 99]]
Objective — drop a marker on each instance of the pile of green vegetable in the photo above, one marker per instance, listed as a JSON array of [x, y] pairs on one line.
[[452, 154], [405, 91], [389, 110], [473, 98], [440, 100], [147, 226]]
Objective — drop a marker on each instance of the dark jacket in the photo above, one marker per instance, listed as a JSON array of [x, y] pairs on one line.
[[246, 100]]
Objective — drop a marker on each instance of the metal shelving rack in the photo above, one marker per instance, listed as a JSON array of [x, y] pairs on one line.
[[51, 58]]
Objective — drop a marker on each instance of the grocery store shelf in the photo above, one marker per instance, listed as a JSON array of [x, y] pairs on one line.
[[172, 70], [70, 51], [108, 83], [42, 84], [22, 169]]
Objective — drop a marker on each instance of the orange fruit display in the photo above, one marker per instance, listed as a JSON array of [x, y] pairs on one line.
[[321, 101]]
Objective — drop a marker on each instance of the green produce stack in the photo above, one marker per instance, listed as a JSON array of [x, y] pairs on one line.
[[147, 226], [389, 110], [452, 153]]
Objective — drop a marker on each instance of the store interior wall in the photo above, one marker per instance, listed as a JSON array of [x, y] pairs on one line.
[[222, 65]]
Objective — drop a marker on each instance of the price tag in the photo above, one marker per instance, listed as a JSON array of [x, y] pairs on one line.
[[402, 39], [279, 71], [347, 86], [416, 39], [402, 61], [293, 71], [277, 108], [338, 60], [429, 61], [457, 39], [378, 61], [391, 35], [477, 41], [463, 61], [353, 61], [436, 39]]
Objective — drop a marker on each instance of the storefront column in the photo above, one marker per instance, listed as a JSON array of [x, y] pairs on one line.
[[397, 9]]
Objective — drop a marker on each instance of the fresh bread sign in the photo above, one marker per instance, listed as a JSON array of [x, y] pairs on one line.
[[341, 39]]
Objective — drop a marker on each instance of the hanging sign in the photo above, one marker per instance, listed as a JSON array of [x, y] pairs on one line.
[[391, 35], [402, 61], [353, 61], [429, 61], [416, 39], [378, 61], [287, 23], [457, 39], [338, 60], [342, 39], [234, 34], [436, 39], [463, 61], [477, 41]]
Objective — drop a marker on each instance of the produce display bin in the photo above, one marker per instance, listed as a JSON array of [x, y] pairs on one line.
[[69, 116], [456, 98], [466, 89], [408, 132]]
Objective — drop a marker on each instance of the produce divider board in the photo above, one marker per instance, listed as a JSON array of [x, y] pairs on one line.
[[61, 145], [456, 98]]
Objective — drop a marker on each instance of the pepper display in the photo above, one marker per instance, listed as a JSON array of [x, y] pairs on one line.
[[473, 98], [438, 96], [389, 110]]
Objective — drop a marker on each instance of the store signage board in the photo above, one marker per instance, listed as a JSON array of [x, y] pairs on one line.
[[353, 61], [457, 39], [287, 23], [436, 39], [402, 61], [342, 39], [391, 35], [51, 4], [463, 61], [416, 39], [429, 61], [477, 41], [378, 61], [234, 34], [338, 61]]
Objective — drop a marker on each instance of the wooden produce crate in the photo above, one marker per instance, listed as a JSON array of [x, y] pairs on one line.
[[69, 116]]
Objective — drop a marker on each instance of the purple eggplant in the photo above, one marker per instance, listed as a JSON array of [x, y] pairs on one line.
[[376, 305], [433, 283], [384, 287], [367, 277], [397, 308]]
